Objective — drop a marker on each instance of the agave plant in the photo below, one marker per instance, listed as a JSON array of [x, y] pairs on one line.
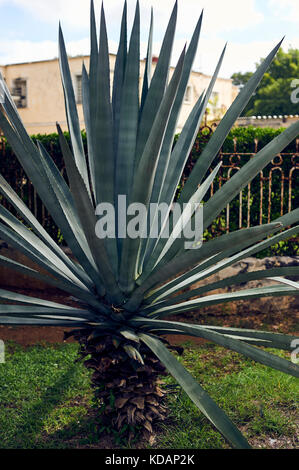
[[125, 288]]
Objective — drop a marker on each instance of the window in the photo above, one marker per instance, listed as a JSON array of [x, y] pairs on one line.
[[19, 92], [79, 89], [188, 94]]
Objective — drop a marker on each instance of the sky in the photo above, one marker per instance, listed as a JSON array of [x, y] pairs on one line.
[[29, 28]]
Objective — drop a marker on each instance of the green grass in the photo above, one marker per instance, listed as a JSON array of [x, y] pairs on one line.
[[46, 400], [261, 401], [42, 392]]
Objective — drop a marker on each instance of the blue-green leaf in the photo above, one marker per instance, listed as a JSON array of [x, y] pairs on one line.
[[197, 394], [119, 74], [157, 87], [212, 148], [141, 190], [148, 64], [129, 112], [71, 110], [234, 344]]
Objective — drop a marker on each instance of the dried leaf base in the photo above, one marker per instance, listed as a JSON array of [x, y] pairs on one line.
[[128, 392]]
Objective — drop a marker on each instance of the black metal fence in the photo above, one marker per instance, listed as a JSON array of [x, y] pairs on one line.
[[272, 193]]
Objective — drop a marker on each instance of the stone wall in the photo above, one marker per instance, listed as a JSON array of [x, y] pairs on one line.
[[266, 305]]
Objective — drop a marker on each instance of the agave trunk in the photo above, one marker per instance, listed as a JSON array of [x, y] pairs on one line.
[[129, 393]]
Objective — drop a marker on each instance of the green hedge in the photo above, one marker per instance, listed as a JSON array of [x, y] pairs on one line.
[[245, 137], [10, 168]]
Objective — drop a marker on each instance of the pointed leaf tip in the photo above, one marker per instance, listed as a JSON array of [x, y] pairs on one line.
[[279, 44]]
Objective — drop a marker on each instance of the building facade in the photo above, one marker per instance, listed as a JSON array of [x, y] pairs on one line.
[[37, 91]]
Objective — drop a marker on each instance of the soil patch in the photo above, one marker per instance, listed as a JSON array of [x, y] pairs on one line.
[[276, 321]]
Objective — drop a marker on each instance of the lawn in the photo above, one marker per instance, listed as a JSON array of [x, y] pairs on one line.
[[46, 401]]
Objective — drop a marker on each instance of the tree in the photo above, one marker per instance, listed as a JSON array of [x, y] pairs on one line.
[[239, 78], [273, 97]]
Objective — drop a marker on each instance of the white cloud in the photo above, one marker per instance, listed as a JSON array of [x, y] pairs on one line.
[[239, 56], [72, 12], [285, 9], [219, 15], [16, 51]]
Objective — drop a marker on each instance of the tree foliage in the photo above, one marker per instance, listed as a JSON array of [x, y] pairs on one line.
[[273, 97]]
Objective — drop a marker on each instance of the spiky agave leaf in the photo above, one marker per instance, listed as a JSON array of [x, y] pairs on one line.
[[124, 288]]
